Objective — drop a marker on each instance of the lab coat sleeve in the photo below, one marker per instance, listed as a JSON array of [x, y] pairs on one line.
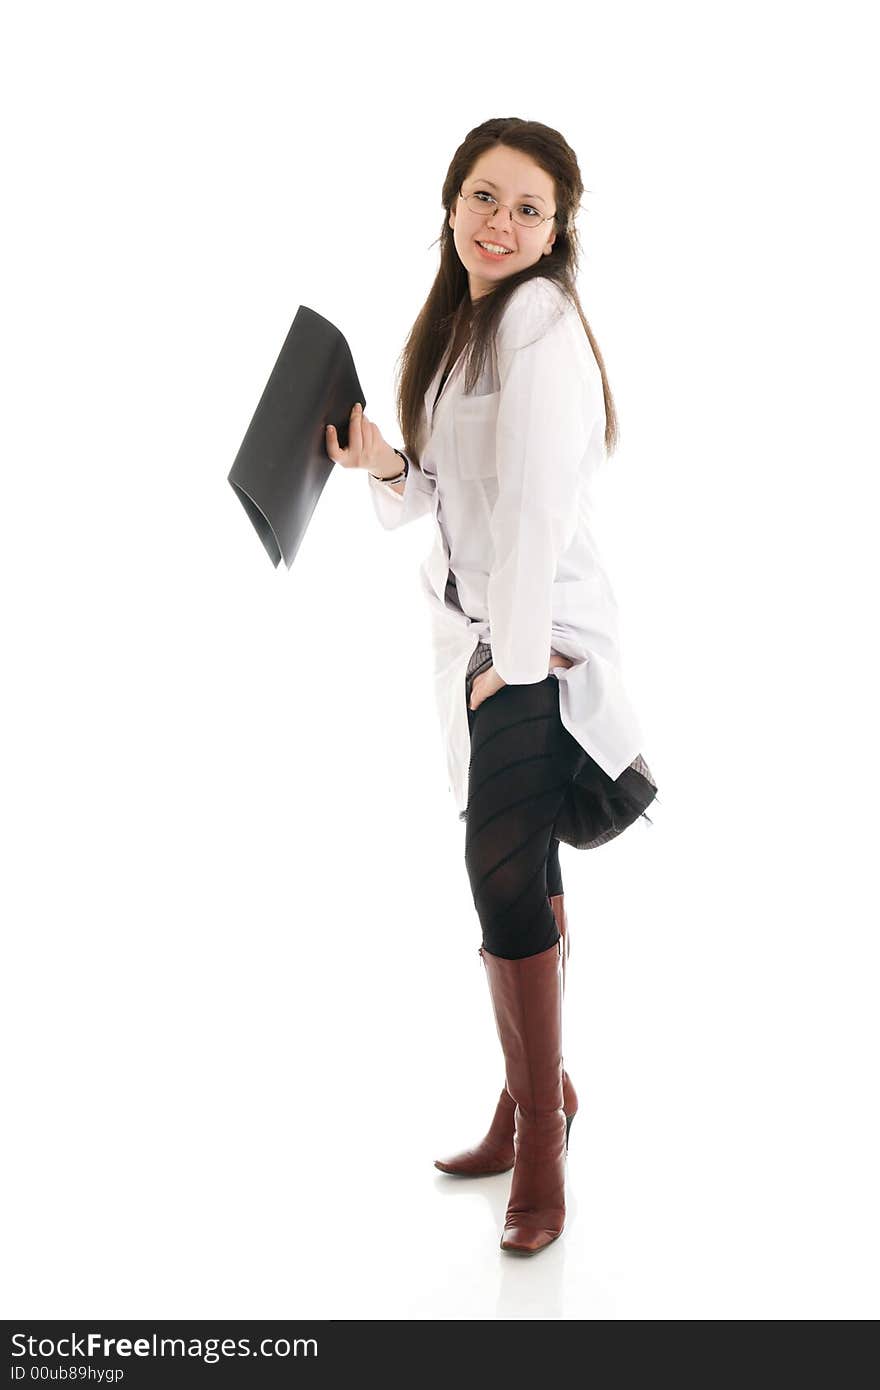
[[395, 509], [547, 408]]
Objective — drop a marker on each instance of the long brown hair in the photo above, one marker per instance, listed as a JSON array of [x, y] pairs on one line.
[[450, 295]]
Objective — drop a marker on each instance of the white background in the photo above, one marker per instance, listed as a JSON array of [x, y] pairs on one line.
[[243, 1005]]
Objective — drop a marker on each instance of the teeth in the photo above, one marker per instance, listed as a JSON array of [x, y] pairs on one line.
[[495, 249]]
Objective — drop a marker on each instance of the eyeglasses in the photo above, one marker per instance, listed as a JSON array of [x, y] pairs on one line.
[[524, 215]]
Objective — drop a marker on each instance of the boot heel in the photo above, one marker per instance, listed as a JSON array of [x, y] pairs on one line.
[[568, 1120]]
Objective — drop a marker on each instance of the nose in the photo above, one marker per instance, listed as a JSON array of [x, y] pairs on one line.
[[494, 217]]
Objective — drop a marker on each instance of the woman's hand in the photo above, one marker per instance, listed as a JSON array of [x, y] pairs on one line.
[[489, 681], [366, 447], [485, 685]]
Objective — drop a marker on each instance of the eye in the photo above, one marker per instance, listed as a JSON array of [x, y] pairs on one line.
[[486, 197], [526, 207]]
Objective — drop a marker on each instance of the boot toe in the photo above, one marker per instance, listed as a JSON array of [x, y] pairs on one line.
[[470, 1165], [528, 1239]]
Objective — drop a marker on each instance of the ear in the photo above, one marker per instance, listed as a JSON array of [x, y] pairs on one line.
[[549, 247]]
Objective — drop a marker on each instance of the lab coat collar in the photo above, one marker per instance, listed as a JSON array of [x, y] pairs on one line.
[[432, 389]]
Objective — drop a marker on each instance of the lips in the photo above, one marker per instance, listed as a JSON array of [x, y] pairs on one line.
[[507, 249]]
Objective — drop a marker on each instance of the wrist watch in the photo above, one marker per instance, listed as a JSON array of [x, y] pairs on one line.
[[401, 476]]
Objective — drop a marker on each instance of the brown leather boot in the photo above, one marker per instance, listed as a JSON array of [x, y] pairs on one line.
[[495, 1152], [527, 1001]]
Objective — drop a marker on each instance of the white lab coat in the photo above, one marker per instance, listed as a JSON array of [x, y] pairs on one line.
[[506, 474]]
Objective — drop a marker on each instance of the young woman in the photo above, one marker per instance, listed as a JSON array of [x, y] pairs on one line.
[[506, 412]]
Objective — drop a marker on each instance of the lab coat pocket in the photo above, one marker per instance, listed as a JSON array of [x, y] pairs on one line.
[[585, 615], [475, 424], [582, 602]]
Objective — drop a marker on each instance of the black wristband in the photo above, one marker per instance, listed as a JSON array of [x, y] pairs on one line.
[[399, 477]]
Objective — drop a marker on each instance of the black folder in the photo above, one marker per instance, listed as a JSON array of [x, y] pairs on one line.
[[281, 468]]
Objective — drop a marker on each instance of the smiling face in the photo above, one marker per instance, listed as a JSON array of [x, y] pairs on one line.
[[514, 181]]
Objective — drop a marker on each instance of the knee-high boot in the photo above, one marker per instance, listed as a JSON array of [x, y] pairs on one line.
[[495, 1152], [527, 1001]]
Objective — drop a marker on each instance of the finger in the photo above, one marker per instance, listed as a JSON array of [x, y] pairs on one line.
[[331, 442], [334, 449], [355, 435]]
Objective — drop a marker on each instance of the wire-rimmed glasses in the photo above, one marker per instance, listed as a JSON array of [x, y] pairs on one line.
[[483, 204]]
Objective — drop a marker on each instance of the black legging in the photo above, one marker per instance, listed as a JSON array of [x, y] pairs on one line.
[[522, 760]]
